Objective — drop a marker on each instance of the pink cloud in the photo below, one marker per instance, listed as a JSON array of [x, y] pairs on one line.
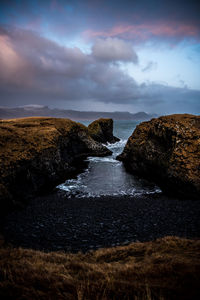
[[10, 60], [144, 32]]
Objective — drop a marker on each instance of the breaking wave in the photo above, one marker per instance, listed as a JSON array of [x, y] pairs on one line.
[[107, 176]]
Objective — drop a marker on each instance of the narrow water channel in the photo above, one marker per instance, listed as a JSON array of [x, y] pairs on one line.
[[106, 176]]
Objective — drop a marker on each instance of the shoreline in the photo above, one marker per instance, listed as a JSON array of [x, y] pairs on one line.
[[56, 223]]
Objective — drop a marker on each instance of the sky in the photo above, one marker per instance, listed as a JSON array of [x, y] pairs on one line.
[[98, 55]]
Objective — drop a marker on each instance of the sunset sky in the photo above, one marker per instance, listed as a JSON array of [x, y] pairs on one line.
[[139, 55]]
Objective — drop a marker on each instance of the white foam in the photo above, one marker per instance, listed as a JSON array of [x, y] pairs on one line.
[[90, 183], [119, 144], [81, 191], [75, 183], [109, 159]]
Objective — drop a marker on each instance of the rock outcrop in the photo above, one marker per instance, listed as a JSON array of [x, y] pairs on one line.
[[167, 151], [38, 153], [101, 131]]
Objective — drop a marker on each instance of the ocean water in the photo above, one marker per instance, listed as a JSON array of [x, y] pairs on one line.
[[105, 176]]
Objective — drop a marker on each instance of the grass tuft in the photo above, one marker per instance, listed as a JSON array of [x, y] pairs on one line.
[[168, 268]]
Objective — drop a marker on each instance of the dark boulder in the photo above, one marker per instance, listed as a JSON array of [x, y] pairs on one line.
[[167, 151], [101, 131]]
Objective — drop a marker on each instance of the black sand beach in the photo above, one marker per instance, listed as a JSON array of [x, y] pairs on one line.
[[55, 222]]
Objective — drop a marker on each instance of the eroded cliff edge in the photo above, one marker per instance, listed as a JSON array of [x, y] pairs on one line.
[[37, 153], [167, 151]]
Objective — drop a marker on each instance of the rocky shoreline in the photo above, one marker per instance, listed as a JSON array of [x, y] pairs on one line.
[[39, 153], [166, 150], [55, 222], [166, 268]]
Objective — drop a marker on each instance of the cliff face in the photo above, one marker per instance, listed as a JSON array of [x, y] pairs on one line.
[[37, 153], [167, 150], [101, 131]]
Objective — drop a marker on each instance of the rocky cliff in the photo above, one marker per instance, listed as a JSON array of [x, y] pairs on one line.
[[167, 150], [38, 153], [101, 131]]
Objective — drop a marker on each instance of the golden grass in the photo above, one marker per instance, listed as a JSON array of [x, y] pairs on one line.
[[167, 268], [22, 139], [95, 128], [26, 143], [167, 150]]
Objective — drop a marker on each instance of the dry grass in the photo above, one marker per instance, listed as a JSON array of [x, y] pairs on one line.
[[22, 139], [97, 128], [167, 150], [31, 145], [167, 268]]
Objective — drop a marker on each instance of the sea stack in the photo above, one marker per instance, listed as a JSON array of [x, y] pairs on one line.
[[167, 151], [38, 153], [101, 131]]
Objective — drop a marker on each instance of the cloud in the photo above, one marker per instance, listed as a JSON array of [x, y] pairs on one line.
[[37, 70], [50, 71], [151, 65], [140, 20], [113, 49], [167, 99], [169, 31]]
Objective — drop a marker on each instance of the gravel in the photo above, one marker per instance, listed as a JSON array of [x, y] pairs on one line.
[[55, 222]]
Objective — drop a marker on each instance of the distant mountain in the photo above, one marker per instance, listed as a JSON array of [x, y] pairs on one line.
[[45, 111]]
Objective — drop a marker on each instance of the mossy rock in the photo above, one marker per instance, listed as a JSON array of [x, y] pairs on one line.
[[38, 153], [167, 151], [101, 131]]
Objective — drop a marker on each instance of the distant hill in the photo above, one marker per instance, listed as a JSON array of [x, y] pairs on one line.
[[45, 111]]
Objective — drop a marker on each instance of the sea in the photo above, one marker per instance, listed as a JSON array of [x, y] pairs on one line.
[[106, 176], [104, 206]]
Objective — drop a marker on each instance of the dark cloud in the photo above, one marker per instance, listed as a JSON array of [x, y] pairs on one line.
[[37, 70], [37, 67], [107, 10], [113, 49], [167, 99], [140, 20]]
